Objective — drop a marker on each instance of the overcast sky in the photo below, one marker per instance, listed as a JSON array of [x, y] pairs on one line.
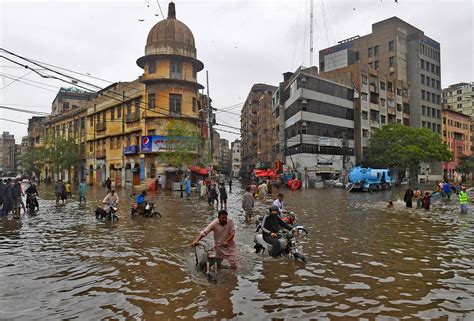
[[240, 42]]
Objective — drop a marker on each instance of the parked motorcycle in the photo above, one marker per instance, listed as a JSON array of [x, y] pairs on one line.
[[148, 211], [288, 242]]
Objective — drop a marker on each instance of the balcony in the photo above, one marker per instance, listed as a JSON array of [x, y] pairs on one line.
[[374, 106], [391, 110], [100, 126], [373, 88], [365, 123], [133, 117], [374, 123], [100, 154]]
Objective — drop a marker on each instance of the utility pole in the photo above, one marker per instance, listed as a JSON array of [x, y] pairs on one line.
[[209, 125], [311, 49]]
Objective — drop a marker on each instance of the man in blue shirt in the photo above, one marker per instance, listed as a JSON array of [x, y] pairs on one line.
[[447, 189], [141, 203]]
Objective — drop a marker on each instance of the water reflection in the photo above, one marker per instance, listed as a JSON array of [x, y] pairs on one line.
[[364, 261]]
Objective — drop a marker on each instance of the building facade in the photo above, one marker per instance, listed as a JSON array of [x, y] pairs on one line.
[[225, 164], [280, 95], [67, 122], [256, 123], [401, 52], [236, 163], [128, 124], [319, 124], [7, 153], [379, 100], [460, 98], [457, 135]]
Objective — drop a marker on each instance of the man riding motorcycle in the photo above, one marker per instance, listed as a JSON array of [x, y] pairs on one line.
[[30, 191], [110, 200], [271, 226], [141, 202]]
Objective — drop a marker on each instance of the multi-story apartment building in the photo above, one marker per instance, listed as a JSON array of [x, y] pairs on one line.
[[68, 99], [319, 124], [403, 53], [36, 131], [225, 163], [256, 128], [7, 153], [236, 163], [460, 97], [128, 123], [457, 135], [67, 121], [278, 113], [380, 100], [114, 127]]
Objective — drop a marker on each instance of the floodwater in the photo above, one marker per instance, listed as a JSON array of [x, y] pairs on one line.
[[364, 261]]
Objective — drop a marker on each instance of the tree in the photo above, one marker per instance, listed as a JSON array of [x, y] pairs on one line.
[[182, 147], [63, 154], [466, 165], [33, 158], [406, 147]]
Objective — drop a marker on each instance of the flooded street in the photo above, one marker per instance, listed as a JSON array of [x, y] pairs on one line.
[[364, 261]]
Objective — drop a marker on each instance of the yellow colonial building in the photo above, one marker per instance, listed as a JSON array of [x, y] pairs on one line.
[[127, 117]]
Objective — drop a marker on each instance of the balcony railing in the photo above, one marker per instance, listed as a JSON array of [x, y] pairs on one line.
[[100, 126]]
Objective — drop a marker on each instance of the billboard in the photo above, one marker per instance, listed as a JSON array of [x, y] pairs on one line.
[[155, 144]]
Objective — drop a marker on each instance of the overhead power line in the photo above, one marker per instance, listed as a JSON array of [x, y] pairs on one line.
[[14, 121], [25, 111]]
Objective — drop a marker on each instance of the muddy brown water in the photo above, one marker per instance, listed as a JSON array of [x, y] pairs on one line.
[[364, 261]]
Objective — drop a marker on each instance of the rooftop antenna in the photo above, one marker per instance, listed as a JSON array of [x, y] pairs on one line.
[[311, 49]]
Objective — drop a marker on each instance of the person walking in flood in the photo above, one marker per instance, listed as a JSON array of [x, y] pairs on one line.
[[463, 200], [248, 203], [408, 197], [223, 196], [82, 191], [427, 201], [447, 190], [224, 243], [108, 184]]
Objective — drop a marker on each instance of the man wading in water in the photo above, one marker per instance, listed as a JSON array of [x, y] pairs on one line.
[[224, 233]]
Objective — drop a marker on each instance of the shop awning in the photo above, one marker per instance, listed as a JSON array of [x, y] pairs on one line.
[[197, 169], [265, 173]]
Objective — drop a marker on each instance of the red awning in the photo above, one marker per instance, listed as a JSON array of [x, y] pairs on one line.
[[265, 173], [197, 169]]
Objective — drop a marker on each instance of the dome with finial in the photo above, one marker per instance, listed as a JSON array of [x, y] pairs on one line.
[[170, 37]]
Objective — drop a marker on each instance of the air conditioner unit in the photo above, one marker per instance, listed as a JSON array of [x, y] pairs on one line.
[[304, 101]]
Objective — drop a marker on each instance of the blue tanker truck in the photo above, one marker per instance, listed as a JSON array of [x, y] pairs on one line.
[[369, 179]]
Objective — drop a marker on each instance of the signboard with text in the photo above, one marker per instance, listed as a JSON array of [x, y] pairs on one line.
[[155, 144]]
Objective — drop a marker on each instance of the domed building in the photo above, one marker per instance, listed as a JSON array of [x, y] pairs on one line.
[[127, 136], [171, 88], [170, 68]]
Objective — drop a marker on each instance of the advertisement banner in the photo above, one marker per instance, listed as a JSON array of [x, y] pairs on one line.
[[154, 144]]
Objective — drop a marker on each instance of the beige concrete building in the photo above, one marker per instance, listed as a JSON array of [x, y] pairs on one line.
[[402, 52], [460, 98], [7, 153], [236, 163], [380, 100], [256, 128]]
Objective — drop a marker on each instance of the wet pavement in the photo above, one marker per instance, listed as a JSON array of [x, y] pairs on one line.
[[364, 261]]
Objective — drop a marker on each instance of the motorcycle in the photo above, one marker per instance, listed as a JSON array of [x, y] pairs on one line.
[[288, 242], [31, 200], [101, 214], [207, 261], [148, 211]]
